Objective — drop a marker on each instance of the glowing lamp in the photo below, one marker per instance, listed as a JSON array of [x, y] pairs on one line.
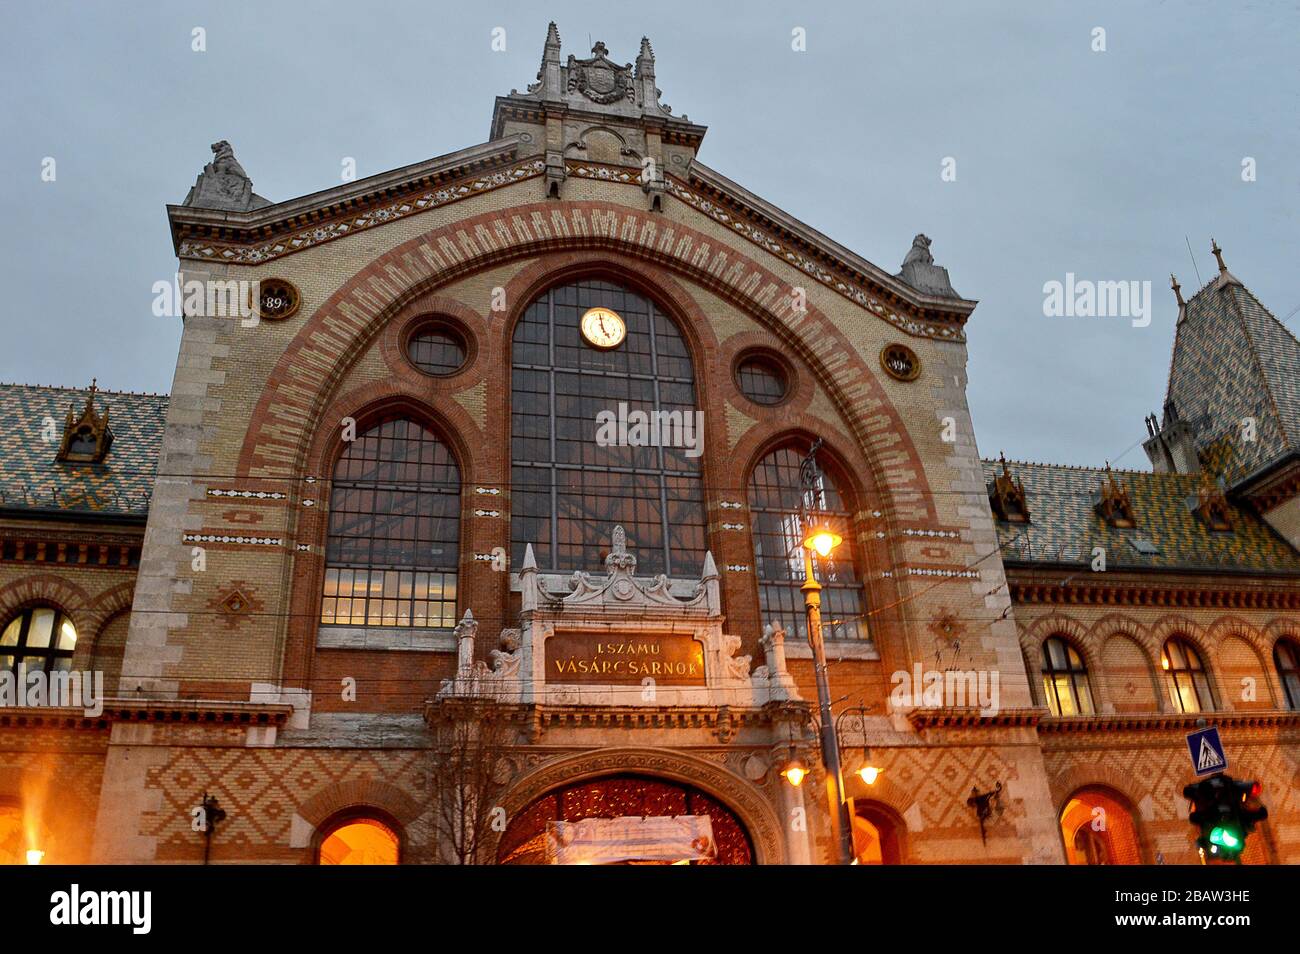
[[795, 771], [34, 856], [822, 538], [869, 774]]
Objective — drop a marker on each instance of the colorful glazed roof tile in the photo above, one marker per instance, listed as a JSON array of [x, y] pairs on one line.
[[1064, 525], [33, 480], [1234, 360]]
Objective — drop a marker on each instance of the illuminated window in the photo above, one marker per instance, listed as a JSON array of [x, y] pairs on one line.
[[359, 841], [394, 532], [1099, 830], [1065, 679], [775, 499], [1189, 686], [41, 638], [1286, 656], [573, 477]]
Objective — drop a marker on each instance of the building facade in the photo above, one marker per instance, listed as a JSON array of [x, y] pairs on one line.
[[478, 538]]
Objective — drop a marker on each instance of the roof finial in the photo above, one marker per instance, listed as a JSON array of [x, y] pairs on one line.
[[1218, 255], [1178, 289]]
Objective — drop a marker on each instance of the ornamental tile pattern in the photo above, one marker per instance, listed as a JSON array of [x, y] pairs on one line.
[[1064, 527], [32, 480]]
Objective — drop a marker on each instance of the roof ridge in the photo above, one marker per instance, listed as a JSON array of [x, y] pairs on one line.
[[71, 389]]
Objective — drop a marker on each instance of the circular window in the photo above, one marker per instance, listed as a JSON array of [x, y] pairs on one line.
[[900, 362], [277, 298], [762, 380], [437, 349]]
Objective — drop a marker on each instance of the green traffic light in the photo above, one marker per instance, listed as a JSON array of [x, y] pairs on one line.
[[1224, 838]]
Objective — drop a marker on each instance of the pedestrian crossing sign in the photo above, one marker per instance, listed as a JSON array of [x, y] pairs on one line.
[[1206, 751]]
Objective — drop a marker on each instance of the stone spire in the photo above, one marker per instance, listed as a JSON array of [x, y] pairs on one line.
[[223, 184], [1225, 277]]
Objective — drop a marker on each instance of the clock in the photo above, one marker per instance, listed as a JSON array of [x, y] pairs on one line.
[[603, 328]]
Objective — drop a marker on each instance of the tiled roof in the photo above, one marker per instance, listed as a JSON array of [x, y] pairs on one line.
[[1234, 360], [1064, 525], [32, 480]]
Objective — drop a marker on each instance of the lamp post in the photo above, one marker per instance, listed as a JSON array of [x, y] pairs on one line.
[[820, 536]]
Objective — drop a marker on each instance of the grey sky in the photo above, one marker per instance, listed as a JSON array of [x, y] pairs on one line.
[[1067, 160]]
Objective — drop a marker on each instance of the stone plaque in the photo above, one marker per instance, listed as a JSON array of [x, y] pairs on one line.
[[670, 659]]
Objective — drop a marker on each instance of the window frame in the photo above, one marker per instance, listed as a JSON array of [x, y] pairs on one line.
[[1189, 674], [825, 571], [21, 651], [412, 576], [1288, 675], [1051, 675]]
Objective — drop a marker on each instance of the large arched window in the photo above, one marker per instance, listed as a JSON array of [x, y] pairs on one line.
[[604, 435], [41, 638], [1286, 656], [1065, 679], [394, 530], [1189, 686], [776, 499]]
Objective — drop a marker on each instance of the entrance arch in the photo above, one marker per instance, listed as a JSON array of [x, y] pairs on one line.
[[747, 802], [629, 797], [1098, 829]]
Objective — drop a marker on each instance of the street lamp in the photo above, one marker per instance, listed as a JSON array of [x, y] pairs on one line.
[[821, 538]]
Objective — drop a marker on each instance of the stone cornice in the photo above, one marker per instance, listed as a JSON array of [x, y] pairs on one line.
[[213, 714], [1188, 594], [1146, 721], [829, 252], [250, 238], [954, 717]]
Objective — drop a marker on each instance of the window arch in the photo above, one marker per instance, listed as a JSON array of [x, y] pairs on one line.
[[1286, 657], [1189, 686], [41, 638], [776, 499], [573, 475], [359, 838], [1065, 679], [394, 530]]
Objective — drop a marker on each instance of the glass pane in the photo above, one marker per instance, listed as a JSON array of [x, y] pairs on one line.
[[67, 635], [10, 635], [41, 628]]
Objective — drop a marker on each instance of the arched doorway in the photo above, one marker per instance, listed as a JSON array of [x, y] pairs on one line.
[[877, 835], [358, 839], [548, 830], [1098, 829]]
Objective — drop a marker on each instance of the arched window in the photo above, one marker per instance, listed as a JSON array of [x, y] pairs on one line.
[[1065, 679], [359, 840], [394, 530], [1189, 687], [776, 499], [41, 638], [604, 432], [1286, 656]]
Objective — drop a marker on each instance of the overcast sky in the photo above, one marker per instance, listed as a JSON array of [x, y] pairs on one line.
[[1067, 160]]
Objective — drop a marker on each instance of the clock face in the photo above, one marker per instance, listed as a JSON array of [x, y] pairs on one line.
[[603, 328]]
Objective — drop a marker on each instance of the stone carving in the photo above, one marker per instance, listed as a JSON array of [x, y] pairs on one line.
[[620, 588], [774, 676], [921, 273], [600, 79], [223, 184]]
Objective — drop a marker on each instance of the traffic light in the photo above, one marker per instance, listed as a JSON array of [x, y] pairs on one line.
[[1226, 811]]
